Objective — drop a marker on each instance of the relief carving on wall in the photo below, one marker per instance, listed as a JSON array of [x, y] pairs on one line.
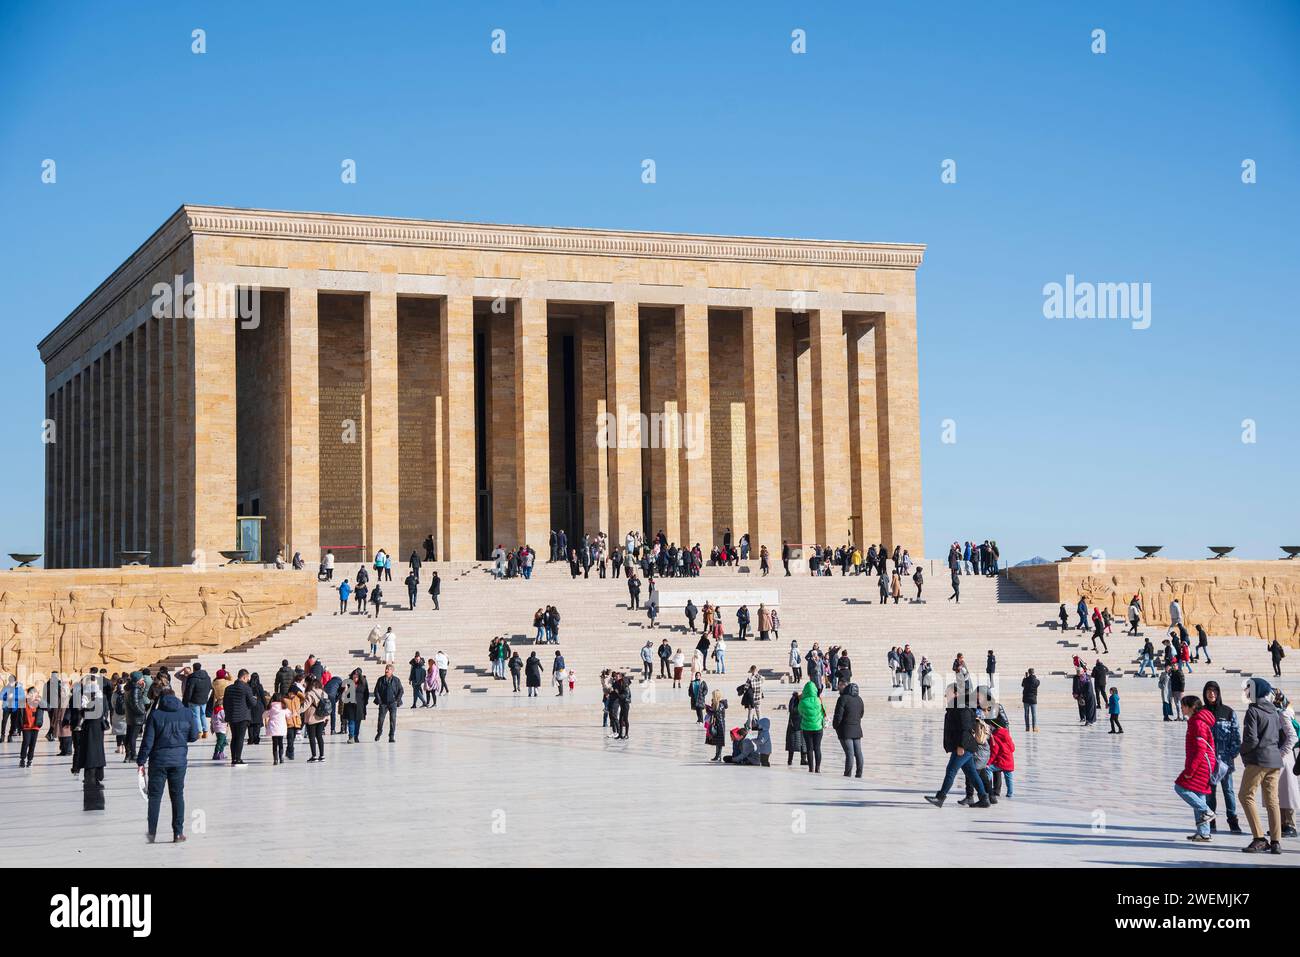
[[1264, 606], [46, 628]]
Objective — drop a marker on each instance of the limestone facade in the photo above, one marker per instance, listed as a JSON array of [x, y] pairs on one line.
[[1225, 596], [73, 619], [405, 378]]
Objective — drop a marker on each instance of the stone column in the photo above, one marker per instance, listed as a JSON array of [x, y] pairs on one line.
[[807, 477], [126, 450], [302, 425], [113, 463], [830, 411], [623, 382], [594, 477], [504, 437], [381, 433], [695, 456], [51, 482], [898, 409], [95, 455], [149, 506], [164, 461], [207, 368], [532, 425], [459, 500], [188, 544], [763, 439], [864, 456]]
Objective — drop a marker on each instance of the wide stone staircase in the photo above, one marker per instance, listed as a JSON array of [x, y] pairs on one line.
[[599, 630]]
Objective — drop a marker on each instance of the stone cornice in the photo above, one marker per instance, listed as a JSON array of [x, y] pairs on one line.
[[191, 221], [331, 227]]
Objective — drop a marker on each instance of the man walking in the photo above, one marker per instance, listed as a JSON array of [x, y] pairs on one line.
[[197, 690], [239, 702], [388, 697], [168, 733]]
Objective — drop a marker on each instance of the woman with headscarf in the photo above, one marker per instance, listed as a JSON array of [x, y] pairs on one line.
[[812, 717], [793, 734], [715, 724], [1288, 788], [88, 758], [895, 586], [256, 709]]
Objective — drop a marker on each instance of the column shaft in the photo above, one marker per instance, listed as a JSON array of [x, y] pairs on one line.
[[623, 381], [830, 408], [459, 497], [381, 435], [763, 446], [899, 431], [302, 425], [532, 424], [695, 457], [208, 498]]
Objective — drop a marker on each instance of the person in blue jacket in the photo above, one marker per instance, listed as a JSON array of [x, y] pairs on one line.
[[168, 733], [1112, 708]]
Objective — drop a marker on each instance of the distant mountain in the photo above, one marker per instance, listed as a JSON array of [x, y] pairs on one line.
[[1036, 560]]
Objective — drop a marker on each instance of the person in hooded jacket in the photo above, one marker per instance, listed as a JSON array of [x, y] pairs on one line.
[[812, 719], [1261, 753], [847, 723], [1199, 761], [168, 732], [715, 724], [1227, 745], [763, 742]]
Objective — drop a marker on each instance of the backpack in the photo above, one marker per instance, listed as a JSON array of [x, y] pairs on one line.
[[323, 707], [119, 703]]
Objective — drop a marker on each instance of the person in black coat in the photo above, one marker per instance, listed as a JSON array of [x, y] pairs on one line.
[[794, 740], [239, 702], [196, 692], [260, 701], [959, 741], [283, 678], [388, 696], [165, 748], [435, 590], [88, 758], [533, 674], [847, 722]]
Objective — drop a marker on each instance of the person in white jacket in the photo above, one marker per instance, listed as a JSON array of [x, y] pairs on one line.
[[390, 646]]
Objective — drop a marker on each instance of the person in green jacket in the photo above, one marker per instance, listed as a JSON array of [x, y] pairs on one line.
[[812, 716]]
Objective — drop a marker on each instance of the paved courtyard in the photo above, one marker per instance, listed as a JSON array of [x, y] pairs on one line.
[[539, 783]]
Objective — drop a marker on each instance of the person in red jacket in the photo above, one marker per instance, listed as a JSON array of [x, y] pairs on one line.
[[1199, 763], [1002, 761]]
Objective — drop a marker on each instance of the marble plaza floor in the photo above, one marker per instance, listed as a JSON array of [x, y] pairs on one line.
[[492, 783]]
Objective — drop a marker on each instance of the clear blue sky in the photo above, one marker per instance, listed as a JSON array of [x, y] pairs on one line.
[[1118, 167]]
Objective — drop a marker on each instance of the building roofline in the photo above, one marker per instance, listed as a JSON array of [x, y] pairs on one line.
[[201, 220]]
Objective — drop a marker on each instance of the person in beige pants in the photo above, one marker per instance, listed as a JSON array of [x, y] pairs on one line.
[[1261, 752]]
